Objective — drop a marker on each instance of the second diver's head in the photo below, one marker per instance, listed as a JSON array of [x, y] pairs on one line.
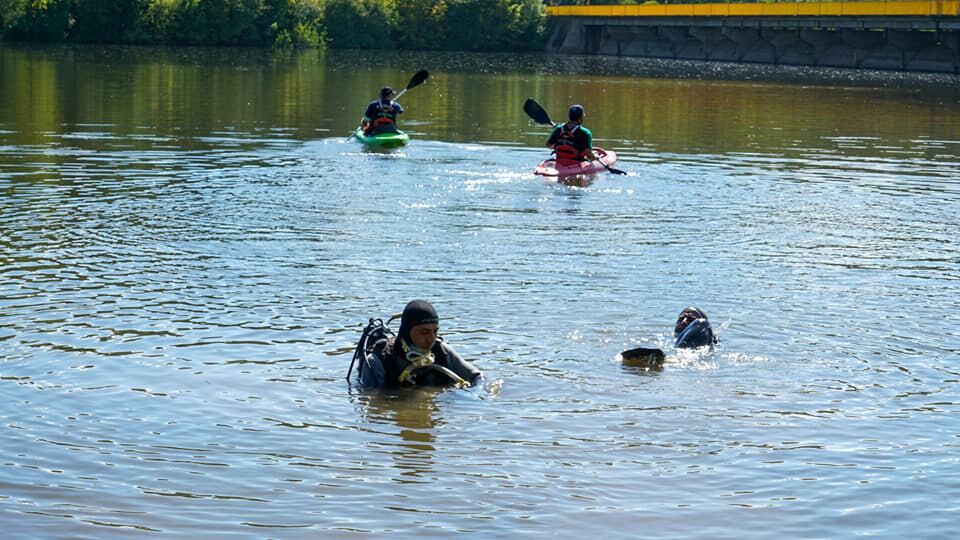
[[419, 324], [693, 329], [686, 317], [576, 113]]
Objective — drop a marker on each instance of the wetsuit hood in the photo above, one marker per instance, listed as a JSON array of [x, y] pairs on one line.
[[416, 312]]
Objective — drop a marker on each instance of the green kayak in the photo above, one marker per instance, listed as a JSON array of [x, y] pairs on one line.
[[388, 139]]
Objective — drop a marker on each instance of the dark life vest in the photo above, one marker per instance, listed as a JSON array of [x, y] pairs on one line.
[[386, 114], [566, 145]]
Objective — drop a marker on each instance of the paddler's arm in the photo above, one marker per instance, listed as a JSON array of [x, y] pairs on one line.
[[589, 152]]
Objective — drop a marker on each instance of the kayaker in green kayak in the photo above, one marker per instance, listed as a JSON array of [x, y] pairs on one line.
[[572, 140], [381, 114]]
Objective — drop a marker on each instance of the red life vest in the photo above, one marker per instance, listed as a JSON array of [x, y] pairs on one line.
[[566, 145]]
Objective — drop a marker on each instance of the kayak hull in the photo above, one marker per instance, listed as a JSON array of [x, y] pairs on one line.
[[563, 168], [390, 139]]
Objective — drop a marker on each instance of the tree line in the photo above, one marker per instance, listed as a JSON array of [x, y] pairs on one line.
[[472, 25]]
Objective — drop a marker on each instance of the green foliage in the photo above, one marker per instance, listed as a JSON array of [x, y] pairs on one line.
[[527, 28], [476, 25], [37, 20], [10, 12], [103, 21], [218, 22], [494, 25], [420, 23], [294, 23], [359, 24], [154, 24]]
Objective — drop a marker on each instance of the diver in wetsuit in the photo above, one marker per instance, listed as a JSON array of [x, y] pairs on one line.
[[417, 356], [693, 329]]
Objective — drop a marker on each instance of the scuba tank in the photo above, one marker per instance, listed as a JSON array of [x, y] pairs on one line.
[[370, 370]]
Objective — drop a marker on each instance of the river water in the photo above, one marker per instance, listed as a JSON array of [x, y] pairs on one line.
[[190, 248]]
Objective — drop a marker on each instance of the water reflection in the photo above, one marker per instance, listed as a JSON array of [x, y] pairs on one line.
[[413, 411]]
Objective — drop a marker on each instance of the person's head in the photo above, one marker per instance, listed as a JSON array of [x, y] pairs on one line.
[[693, 329], [387, 93], [686, 317], [419, 324], [576, 113]]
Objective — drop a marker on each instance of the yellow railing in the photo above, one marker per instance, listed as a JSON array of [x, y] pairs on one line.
[[922, 8]]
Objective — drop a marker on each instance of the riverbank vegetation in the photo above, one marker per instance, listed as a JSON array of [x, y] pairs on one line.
[[472, 25]]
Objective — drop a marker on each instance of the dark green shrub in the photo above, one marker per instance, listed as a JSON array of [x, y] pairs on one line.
[[218, 22], [155, 25], [476, 25], [293, 23], [528, 28], [420, 23], [31, 20], [103, 21], [359, 24]]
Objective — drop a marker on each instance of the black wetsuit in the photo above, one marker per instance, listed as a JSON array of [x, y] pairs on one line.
[[388, 363]]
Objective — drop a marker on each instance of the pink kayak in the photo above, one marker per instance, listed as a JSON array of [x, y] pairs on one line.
[[561, 168]]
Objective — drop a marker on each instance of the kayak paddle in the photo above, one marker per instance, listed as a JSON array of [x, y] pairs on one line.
[[416, 80], [536, 112], [540, 116]]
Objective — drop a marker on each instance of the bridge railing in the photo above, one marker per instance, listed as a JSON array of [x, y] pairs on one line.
[[690, 8]]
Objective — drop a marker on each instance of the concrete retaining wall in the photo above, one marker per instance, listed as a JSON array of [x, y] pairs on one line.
[[903, 43]]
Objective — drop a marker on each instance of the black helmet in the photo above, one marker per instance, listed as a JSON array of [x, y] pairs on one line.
[[386, 92], [576, 112]]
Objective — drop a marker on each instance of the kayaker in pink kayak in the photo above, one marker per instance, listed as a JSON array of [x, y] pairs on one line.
[[572, 140], [381, 114]]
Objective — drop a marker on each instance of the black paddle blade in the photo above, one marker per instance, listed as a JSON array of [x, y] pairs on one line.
[[418, 78], [609, 168], [644, 357], [535, 111]]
